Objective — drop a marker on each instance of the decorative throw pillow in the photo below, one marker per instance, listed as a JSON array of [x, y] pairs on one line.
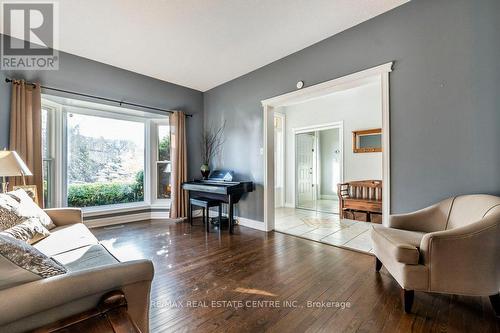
[[18, 204], [30, 231], [28, 208], [8, 211], [22, 263]]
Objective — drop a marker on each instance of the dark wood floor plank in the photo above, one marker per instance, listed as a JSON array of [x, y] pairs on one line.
[[250, 265]]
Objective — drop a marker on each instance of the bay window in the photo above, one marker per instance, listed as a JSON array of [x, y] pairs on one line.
[[105, 160], [101, 157], [163, 163]]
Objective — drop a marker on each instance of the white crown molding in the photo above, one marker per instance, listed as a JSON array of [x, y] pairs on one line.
[[328, 87]]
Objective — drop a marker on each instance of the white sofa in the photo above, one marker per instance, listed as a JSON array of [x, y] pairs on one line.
[[92, 272]]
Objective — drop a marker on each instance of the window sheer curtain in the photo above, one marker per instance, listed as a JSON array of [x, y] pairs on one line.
[[26, 132], [179, 204]]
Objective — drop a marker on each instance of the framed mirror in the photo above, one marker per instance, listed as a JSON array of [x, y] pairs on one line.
[[367, 141]]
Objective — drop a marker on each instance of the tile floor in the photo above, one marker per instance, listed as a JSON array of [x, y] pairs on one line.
[[325, 228], [322, 205]]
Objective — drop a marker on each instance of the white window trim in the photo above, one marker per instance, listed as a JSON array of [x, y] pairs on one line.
[[56, 141], [155, 202], [59, 140]]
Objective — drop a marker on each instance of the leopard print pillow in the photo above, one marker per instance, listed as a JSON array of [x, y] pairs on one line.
[[8, 211], [17, 207], [29, 258], [30, 231]]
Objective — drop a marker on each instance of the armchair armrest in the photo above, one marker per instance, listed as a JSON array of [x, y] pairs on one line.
[[65, 216], [429, 219], [464, 260], [47, 300]]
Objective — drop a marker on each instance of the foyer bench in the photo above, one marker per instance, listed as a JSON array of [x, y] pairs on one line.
[[361, 200]]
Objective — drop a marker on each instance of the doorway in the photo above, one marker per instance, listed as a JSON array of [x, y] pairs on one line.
[[271, 106], [318, 167]]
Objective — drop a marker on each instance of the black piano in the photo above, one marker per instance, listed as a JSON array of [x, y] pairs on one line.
[[220, 185]]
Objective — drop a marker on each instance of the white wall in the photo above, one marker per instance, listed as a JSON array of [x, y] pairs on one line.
[[359, 108]]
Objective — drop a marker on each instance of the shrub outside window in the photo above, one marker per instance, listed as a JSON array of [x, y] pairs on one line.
[[105, 163], [163, 163]]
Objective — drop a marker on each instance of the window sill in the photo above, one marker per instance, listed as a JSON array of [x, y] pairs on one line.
[[111, 209]]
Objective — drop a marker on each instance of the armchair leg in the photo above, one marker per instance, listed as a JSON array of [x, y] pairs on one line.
[[378, 264], [407, 297], [495, 303]]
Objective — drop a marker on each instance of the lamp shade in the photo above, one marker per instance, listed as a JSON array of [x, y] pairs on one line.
[[168, 168], [12, 165]]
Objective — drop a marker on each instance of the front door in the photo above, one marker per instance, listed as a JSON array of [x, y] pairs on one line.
[[305, 165]]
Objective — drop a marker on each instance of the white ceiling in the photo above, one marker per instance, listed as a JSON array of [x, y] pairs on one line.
[[203, 43]]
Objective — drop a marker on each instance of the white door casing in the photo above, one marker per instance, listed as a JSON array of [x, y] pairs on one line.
[[279, 151], [349, 81]]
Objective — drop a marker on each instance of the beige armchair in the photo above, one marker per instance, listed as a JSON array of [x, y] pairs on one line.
[[452, 247]]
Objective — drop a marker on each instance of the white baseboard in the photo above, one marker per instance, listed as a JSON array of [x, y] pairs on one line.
[[289, 205], [128, 218], [166, 215], [112, 220], [329, 196], [159, 215], [249, 223]]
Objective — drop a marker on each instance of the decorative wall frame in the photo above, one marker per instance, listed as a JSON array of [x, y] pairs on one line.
[[367, 141]]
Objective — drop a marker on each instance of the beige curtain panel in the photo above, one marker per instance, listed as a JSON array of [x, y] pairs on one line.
[[179, 205], [26, 132]]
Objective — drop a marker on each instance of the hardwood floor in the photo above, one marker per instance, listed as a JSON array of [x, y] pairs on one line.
[[195, 273]]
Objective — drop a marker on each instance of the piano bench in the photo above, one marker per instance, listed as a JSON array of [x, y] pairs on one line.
[[205, 204]]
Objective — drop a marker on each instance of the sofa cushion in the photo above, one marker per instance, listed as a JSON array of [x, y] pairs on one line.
[[21, 263], [403, 245], [66, 238], [17, 206], [29, 231], [86, 257]]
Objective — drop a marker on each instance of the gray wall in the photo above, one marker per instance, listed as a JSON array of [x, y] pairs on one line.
[[90, 77], [445, 100]]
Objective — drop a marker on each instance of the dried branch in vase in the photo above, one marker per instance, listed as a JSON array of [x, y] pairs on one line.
[[212, 141]]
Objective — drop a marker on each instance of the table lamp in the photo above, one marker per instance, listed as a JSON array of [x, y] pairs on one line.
[[11, 165]]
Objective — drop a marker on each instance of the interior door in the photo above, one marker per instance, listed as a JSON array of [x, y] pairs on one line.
[[304, 168]]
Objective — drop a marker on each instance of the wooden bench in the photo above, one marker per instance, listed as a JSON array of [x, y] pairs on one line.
[[361, 200]]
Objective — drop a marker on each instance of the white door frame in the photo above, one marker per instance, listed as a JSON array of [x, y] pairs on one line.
[[281, 167], [317, 128], [349, 81]]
